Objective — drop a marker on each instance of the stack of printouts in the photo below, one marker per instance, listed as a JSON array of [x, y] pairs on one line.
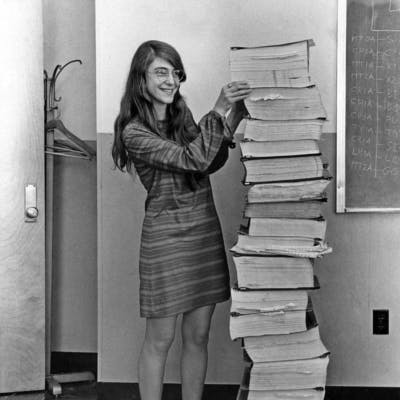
[[284, 230]]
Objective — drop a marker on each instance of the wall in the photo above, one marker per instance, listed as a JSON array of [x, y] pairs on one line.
[[69, 34], [360, 275], [121, 205], [203, 31]]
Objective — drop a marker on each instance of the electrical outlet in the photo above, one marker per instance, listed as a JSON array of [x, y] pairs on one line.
[[380, 324]]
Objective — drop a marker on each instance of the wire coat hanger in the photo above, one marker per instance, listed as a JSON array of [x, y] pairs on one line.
[[81, 146]]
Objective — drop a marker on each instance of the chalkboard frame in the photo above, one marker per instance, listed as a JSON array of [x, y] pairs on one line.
[[341, 120], [341, 108]]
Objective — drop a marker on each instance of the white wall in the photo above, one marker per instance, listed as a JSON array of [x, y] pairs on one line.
[[68, 35], [121, 210], [202, 32], [362, 272]]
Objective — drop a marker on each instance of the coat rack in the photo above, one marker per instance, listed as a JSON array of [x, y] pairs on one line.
[[73, 147]]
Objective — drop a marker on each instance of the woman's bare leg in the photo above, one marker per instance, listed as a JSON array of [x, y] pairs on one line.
[[195, 332], [160, 333]]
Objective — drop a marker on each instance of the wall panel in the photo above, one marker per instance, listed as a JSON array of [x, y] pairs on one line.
[[361, 273]]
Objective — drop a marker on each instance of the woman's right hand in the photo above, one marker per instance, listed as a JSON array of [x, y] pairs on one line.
[[230, 94]]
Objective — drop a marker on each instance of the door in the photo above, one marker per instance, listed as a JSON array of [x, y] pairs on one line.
[[22, 260]]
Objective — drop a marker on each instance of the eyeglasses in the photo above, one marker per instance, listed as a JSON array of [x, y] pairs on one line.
[[162, 74]]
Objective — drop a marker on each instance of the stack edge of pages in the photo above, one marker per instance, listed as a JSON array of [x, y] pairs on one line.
[[284, 65], [283, 229], [285, 375], [309, 394]]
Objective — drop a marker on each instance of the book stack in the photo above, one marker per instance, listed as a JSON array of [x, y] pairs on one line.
[[283, 230]]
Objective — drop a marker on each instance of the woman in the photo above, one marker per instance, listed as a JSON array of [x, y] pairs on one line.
[[183, 268]]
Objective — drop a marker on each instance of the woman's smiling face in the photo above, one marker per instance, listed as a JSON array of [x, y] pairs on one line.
[[162, 82]]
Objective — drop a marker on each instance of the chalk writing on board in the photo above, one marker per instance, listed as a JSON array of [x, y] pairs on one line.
[[374, 96], [373, 103]]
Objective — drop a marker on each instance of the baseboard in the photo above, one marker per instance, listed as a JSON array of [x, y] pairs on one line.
[[108, 391], [112, 391], [79, 362], [171, 391], [362, 393], [62, 362]]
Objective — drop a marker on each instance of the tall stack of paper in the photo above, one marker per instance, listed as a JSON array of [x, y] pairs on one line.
[[284, 230]]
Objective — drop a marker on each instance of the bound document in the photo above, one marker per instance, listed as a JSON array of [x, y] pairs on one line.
[[281, 148], [261, 170], [284, 65], [294, 394], [308, 209], [273, 272], [285, 104], [251, 301], [294, 346], [287, 375], [287, 227], [280, 245], [279, 322], [288, 191], [270, 131]]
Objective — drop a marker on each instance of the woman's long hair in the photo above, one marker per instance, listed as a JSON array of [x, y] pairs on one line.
[[136, 103]]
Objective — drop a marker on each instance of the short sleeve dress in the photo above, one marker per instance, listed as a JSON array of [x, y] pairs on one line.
[[182, 263]]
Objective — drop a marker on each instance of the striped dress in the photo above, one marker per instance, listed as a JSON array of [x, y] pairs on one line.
[[182, 257]]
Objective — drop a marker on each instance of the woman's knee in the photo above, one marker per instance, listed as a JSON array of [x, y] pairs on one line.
[[196, 326], [159, 345], [159, 336], [196, 337]]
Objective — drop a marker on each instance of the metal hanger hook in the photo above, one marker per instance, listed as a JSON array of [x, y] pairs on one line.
[[56, 73]]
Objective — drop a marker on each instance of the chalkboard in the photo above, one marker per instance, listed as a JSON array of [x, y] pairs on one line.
[[368, 164]]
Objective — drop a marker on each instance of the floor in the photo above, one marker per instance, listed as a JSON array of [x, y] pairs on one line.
[[71, 391], [121, 391], [124, 391]]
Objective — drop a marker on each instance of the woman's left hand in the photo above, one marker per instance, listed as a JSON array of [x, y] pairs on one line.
[[230, 94]]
